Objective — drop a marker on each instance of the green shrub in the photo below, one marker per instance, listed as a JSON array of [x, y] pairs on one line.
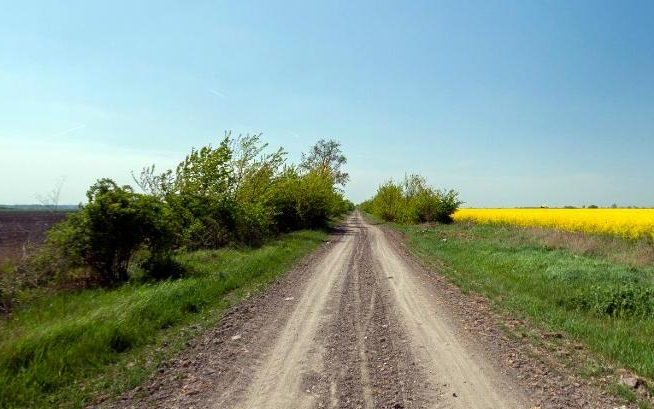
[[105, 233], [413, 201], [119, 222], [447, 203], [254, 222], [388, 203], [232, 193], [204, 222], [239, 193], [305, 201]]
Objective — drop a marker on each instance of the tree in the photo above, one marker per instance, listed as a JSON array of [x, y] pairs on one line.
[[326, 157], [51, 199], [240, 191], [206, 171], [254, 173], [253, 170], [236, 192], [151, 183], [200, 195]]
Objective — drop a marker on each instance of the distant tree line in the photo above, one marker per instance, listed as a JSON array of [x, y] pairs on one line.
[[412, 201], [235, 193]]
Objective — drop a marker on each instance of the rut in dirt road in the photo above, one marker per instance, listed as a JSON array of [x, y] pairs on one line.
[[464, 379], [360, 324], [363, 333], [295, 356]]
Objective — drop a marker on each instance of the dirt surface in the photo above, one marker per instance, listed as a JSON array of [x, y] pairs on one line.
[[360, 324], [19, 229]]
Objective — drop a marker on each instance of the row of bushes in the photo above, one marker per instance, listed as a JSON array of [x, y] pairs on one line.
[[236, 192], [412, 201]]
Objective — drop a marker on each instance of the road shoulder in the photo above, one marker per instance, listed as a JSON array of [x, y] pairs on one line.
[[542, 369]]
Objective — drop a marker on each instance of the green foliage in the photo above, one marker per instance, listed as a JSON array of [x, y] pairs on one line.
[[388, 203], [592, 297], [624, 301], [205, 222], [412, 201], [237, 192], [115, 223], [240, 193], [326, 157], [205, 172], [255, 173], [52, 351], [306, 200], [232, 195], [105, 234]]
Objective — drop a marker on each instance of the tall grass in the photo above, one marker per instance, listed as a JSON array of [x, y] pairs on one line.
[[52, 347]]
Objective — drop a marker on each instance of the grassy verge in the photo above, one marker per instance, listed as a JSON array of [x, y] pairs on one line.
[[592, 296], [68, 349]]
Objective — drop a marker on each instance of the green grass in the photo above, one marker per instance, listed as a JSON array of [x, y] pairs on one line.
[[596, 300], [67, 349]]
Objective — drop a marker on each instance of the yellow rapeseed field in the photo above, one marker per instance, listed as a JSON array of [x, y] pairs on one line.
[[632, 223]]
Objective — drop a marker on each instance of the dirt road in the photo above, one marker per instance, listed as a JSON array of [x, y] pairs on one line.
[[360, 324], [342, 366]]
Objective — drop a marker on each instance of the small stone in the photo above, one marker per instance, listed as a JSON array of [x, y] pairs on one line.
[[632, 382]]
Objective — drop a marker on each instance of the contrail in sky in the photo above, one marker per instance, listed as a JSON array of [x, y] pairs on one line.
[[67, 131], [218, 94]]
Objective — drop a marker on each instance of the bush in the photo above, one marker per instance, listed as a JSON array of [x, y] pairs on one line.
[[447, 204], [238, 193], [105, 234], [254, 222], [204, 222], [388, 203], [413, 201], [162, 267], [305, 201], [233, 193]]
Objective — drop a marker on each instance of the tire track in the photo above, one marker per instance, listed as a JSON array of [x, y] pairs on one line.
[[466, 380], [280, 380], [368, 363], [358, 324]]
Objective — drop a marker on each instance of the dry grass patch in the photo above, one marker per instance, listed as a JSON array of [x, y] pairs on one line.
[[635, 253]]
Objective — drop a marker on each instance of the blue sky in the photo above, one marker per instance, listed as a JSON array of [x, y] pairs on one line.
[[512, 103]]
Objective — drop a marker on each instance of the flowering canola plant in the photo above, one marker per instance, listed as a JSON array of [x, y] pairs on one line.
[[631, 223]]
